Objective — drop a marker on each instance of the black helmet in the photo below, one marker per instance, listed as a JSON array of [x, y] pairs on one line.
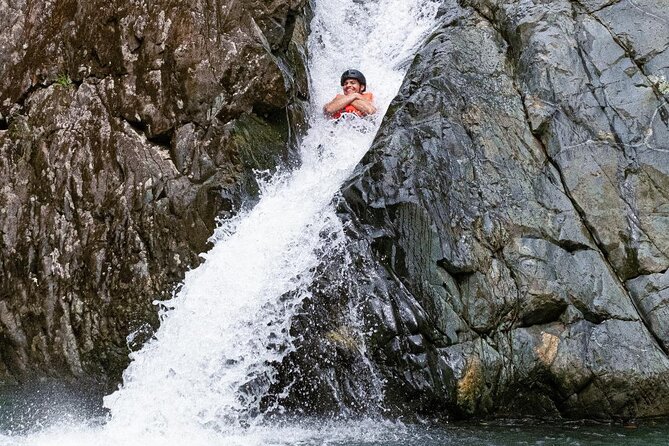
[[354, 74]]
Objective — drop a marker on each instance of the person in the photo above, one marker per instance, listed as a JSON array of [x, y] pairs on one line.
[[355, 100]]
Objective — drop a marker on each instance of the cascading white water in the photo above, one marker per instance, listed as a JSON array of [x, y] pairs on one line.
[[201, 379]]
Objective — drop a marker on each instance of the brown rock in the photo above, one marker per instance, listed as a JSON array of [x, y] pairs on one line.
[[117, 152]]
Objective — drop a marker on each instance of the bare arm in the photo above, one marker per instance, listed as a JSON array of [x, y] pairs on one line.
[[365, 106], [339, 102]]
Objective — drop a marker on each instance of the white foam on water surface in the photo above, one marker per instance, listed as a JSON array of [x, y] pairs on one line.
[[305, 432]]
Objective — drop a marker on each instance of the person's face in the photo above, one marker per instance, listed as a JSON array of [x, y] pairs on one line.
[[352, 86]]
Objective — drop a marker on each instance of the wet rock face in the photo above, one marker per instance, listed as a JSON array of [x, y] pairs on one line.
[[125, 129], [516, 197]]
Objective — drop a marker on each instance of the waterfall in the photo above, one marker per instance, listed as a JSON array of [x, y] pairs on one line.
[[200, 380]]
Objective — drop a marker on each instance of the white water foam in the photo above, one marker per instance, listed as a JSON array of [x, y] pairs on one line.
[[200, 380]]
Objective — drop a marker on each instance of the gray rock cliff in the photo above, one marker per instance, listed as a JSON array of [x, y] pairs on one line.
[[125, 129], [517, 192], [509, 224]]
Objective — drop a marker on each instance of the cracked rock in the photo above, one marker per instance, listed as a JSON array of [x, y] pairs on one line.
[[516, 194]]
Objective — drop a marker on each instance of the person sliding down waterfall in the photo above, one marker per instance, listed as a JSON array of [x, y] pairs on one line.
[[355, 99]]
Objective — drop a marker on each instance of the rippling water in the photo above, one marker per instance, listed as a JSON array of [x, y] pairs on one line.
[[367, 432], [527, 434]]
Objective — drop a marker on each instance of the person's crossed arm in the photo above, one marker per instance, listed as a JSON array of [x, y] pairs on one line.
[[364, 104], [357, 100], [339, 102]]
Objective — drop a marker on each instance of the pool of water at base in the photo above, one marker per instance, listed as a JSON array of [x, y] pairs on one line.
[[27, 422], [313, 432], [525, 433]]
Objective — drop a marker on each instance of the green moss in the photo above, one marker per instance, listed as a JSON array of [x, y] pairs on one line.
[[63, 80], [260, 144]]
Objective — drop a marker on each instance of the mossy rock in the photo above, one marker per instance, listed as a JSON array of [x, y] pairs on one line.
[[259, 142]]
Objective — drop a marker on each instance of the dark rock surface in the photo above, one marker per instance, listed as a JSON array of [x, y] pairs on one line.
[[509, 228], [516, 197], [125, 129]]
